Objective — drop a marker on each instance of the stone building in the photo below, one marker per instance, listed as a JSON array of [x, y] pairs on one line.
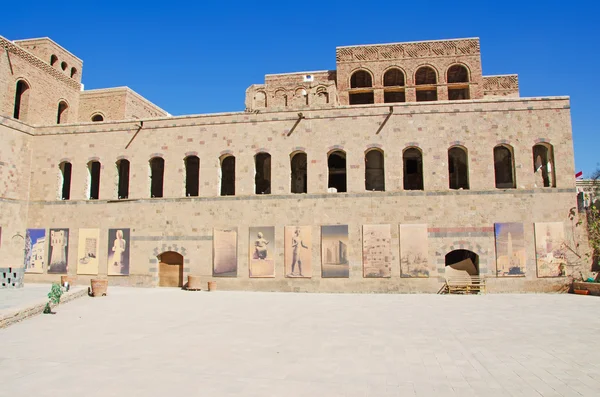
[[399, 134]]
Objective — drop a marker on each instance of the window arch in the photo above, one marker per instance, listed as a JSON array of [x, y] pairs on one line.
[[21, 100], [123, 179], [412, 160], [299, 180], [228, 175], [262, 173], [457, 77], [94, 168], [192, 176], [73, 72], [374, 170], [504, 167], [157, 175], [97, 118], [280, 98], [543, 165], [300, 97], [63, 65], [336, 163], [361, 92], [260, 99], [62, 114], [53, 60], [426, 81], [65, 180], [458, 168], [394, 81]]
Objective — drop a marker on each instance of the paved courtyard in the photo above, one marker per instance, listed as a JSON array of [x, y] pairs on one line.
[[167, 342]]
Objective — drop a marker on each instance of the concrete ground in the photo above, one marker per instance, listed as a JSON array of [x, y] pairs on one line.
[[159, 342]]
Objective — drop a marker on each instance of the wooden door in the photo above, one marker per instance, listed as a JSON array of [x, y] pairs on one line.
[[170, 270]]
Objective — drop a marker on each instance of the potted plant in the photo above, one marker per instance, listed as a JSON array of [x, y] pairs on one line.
[[54, 296]]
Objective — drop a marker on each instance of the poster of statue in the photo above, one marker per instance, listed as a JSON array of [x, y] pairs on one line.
[[414, 255], [35, 243], [87, 251], [377, 254], [549, 249], [298, 251], [58, 251], [334, 251], [118, 252], [262, 252], [225, 252], [510, 249]]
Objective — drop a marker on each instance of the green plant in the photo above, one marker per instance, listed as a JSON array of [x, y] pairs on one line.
[[54, 296]]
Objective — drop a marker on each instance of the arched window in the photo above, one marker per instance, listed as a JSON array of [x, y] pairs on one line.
[[412, 160], [361, 92], [65, 179], [321, 97], [63, 65], [426, 80], [94, 180], [21, 100], [504, 167], [157, 175], [123, 175], [228, 175], [543, 165], [458, 168], [280, 99], [53, 60], [393, 80], [299, 180], [192, 176], [260, 100], [458, 82], [61, 116], [374, 171], [262, 173], [73, 72], [97, 118], [336, 162]]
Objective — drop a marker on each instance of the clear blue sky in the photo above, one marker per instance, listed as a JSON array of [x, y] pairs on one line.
[[200, 57]]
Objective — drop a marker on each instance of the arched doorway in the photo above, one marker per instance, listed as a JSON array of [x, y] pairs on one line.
[[462, 262], [170, 269]]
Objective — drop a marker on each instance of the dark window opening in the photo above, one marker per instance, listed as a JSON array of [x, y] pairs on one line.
[[123, 174], [394, 96], [374, 171], [463, 261], [426, 95], [157, 174], [413, 169], [65, 170], [393, 77], [97, 118], [192, 176], [94, 169], [53, 60], [425, 76], [61, 116], [21, 99], [458, 168], [503, 168], [299, 173], [458, 94], [362, 98], [63, 65], [336, 163], [73, 72], [361, 79], [458, 74], [262, 176], [543, 166], [228, 176]]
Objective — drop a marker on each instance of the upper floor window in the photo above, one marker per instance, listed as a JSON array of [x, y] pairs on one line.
[[192, 176], [426, 81], [97, 118], [298, 164], [228, 175], [157, 175], [61, 116], [336, 162], [262, 173], [543, 165], [393, 81], [374, 171], [65, 180], [504, 167], [458, 168], [94, 180], [123, 179], [412, 160], [458, 79], [361, 80], [21, 100], [53, 60]]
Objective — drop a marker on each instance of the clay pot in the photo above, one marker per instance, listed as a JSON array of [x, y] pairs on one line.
[[581, 291], [99, 287], [212, 285], [64, 279], [194, 283]]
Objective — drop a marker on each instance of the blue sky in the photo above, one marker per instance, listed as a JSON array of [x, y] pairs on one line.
[[200, 57]]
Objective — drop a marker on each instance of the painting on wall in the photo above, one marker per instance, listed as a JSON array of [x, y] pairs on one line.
[[414, 255], [118, 252], [35, 243], [549, 249], [298, 251], [334, 251], [87, 251], [262, 252], [225, 252], [510, 249], [58, 251], [377, 254]]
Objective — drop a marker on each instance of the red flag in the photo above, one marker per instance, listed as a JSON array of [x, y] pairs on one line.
[[577, 175]]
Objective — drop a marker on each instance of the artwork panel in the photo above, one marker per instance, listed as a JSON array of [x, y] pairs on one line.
[[119, 242], [262, 251], [414, 251], [549, 249], [298, 251], [225, 252], [510, 249], [88, 248], [334, 252], [58, 251], [377, 251], [35, 250]]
